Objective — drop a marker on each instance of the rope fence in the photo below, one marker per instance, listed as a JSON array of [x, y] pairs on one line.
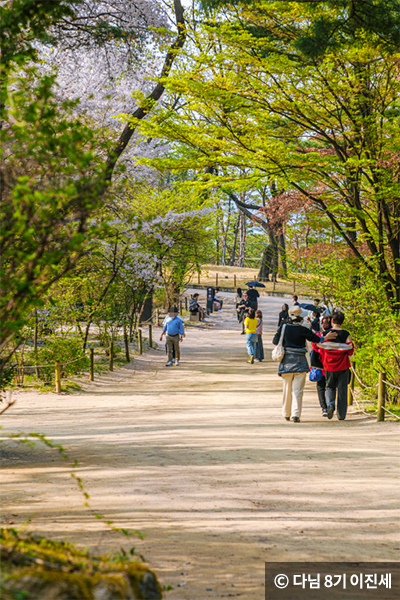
[[58, 366], [381, 386]]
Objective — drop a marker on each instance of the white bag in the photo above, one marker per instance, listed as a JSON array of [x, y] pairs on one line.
[[279, 351]]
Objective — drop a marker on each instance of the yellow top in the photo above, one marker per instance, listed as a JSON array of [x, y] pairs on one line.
[[250, 324]]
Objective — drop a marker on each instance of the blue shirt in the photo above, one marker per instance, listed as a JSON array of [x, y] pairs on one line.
[[174, 326]]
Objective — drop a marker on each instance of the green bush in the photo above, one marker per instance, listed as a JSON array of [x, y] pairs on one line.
[[63, 349], [373, 324]]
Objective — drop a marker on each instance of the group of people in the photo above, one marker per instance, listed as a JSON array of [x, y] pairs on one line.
[[330, 355], [331, 349], [251, 319]]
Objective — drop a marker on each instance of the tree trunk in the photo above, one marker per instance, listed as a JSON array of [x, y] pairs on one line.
[[282, 253], [242, 239], [266, 264], [235, 237]]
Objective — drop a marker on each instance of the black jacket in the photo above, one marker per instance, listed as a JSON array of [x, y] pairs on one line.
[[283, 316], [295, 336], [253, 295]]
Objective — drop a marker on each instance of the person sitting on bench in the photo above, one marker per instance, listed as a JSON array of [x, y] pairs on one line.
[[194, 307], [217, 301]]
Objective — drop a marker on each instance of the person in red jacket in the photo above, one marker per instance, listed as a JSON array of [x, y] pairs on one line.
[[337, 368]]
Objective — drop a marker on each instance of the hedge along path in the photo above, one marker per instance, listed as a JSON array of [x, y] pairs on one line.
[[199, 459]]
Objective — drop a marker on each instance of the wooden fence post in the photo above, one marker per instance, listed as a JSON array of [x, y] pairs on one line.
[[126, 342], [381, 397], [157, 317], [186, 303], [111, 366], [150, 335], [91, 372], [58, 377], [140, 344], [180, 307], [350, 397], [234, 280]]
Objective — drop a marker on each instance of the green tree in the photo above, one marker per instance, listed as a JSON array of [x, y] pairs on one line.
[[323, 127], [51, 177]]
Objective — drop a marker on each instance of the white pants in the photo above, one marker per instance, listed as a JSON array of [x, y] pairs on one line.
[[293, 388]]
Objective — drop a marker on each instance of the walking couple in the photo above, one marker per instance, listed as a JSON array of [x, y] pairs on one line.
[[334, 346]]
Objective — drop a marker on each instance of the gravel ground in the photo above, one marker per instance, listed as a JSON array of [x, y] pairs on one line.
[[199, 459]]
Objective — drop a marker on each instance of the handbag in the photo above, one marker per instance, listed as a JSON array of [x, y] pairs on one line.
[[315, 374], [279, 351]]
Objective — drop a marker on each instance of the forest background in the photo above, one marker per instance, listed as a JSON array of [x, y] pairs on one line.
[[144, 140]]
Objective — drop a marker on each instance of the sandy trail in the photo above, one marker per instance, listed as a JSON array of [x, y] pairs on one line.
[[199, 459]]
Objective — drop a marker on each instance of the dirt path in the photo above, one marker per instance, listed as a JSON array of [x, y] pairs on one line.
[[199, 459]]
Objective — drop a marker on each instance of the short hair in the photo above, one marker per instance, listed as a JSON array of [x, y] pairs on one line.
[[194, 295], [252, 313], [316, 300], [338, 317], [173, 309], [295, 297]]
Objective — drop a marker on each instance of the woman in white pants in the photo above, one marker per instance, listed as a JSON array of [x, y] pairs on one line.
[[294, 366]]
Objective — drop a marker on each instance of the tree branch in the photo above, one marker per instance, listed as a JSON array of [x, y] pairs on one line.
[[153, 97]]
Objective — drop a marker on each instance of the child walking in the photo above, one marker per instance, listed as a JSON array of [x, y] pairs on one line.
[[259, 344]]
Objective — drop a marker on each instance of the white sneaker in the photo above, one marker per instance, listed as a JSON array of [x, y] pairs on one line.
[[177, 363], [169, 363]]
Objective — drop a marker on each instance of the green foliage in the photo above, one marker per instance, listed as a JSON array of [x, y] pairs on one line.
[[374, 329], [255, 110], [51, 181], [63, 349], [332, 24]]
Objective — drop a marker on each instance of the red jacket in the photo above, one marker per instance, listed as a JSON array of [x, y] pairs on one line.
[[336, 360]]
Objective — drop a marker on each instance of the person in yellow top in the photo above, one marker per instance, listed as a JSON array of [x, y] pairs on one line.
[[250, 324]]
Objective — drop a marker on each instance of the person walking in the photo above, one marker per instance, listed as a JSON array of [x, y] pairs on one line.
[[253, 297], [295, 300], [166, 319], [315, 361], [283, 315], [175, 334], [243, 308], [238, 299], [337, 367], [259, 357], [294, 366], [250, 324]]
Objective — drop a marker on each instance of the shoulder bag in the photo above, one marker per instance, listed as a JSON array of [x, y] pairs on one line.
[[279, 351]]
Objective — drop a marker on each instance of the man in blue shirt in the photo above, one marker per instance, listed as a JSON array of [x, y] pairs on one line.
[[175, 333]]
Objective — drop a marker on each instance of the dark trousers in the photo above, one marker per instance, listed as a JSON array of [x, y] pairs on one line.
[[259, 348], [321, 388], [173, 347], [337, 381]]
